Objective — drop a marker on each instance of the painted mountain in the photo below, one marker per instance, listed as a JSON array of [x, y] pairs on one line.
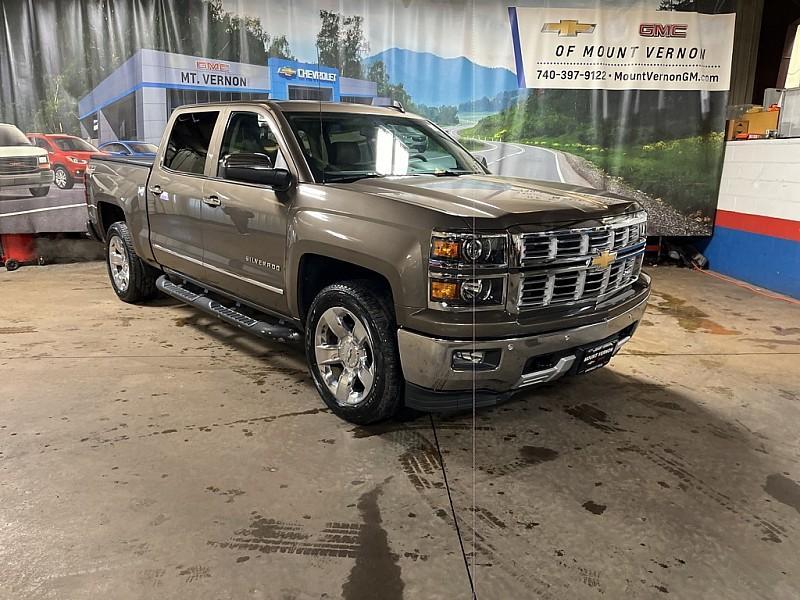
[[437, 81]]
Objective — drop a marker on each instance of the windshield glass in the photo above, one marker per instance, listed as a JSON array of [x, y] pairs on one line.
[[340, 147], [143, 148], [11, 136], [74, 144]]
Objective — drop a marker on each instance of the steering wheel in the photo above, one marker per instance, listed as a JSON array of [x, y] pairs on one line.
[[420, 156]]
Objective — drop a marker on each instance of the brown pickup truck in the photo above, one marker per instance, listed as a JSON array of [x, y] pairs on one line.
[[413, 275]]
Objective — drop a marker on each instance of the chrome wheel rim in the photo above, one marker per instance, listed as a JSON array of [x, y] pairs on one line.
[[61, 178], [118, 263], [344, 356]]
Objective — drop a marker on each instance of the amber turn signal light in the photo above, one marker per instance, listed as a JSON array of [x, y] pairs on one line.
[[442, 291], [446, 249]]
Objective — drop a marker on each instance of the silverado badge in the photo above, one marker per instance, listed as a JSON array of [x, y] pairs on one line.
[[604, 260]]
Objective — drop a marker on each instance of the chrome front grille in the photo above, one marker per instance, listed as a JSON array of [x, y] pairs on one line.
[[549, 288], [580, 244], [16, 166], [559, 267]]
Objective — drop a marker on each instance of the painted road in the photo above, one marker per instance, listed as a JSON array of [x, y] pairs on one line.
[[522, 160], [59, 211]]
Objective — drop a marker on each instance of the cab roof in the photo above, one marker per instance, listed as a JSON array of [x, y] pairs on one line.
[[312, 106]]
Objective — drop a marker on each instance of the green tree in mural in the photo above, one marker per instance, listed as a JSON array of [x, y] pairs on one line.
[[377, 72], [279, 48], [328, 38], [341, 42]]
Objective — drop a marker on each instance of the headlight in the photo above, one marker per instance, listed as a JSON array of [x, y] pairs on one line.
[[77, 161], [43, 160], [468, 292], [466, 249]]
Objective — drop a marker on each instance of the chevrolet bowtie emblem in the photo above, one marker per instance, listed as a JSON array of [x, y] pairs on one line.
[[604, 260], [568, 28]]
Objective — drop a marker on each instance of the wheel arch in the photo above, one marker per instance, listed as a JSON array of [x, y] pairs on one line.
[[321, 268]]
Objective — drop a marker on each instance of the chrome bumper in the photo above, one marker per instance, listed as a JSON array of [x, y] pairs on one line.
[[427, 362]]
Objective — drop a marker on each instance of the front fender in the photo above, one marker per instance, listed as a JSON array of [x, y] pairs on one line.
[[397, 252]]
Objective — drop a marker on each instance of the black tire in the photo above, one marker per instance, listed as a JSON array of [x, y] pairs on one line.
[[61, 174], [12, 265], [40, 192], [141, 276], [373, 307]]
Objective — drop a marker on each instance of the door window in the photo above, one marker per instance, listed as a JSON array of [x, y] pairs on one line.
[[188, 143], [249, 133], [115, 148]]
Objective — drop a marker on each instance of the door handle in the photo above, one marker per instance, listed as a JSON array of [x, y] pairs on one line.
[[212, 201], [156, 189]]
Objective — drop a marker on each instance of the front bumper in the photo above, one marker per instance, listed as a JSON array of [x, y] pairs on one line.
[[76, 171], [432, 383], [27, 180]]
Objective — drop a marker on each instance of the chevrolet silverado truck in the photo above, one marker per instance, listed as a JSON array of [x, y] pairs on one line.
[[413, 275], [23, 165]]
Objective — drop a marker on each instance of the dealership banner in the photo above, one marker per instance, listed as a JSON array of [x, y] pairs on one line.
[[621, 49], [624, 96]]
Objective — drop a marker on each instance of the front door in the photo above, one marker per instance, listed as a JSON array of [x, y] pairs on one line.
[[245, 224], [175, 194]]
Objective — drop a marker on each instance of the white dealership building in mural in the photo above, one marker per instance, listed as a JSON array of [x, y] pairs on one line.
[[135, 101]]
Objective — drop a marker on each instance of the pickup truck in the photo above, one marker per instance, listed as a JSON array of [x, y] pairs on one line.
[[23, 165], [413, 275]]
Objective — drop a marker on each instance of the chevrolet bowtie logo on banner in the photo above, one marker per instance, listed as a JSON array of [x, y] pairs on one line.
[[287, 72], [568, 28]]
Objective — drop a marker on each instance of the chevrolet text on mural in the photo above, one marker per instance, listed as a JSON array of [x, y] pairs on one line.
[[610, 49]]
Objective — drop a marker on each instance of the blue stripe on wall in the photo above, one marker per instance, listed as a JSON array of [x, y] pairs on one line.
[[769, 262]]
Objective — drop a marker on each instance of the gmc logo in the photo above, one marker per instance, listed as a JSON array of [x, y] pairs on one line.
[[673, 30], [205, 65]]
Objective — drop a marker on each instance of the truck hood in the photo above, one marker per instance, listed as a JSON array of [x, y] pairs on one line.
[[513, 200], [18, 151]]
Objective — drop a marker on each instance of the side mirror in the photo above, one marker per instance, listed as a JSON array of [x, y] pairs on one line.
[[255, 168]]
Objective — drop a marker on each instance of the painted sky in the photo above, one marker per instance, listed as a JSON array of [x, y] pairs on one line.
[[478, 30]]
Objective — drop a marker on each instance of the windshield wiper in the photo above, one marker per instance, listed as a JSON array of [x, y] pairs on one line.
[[447, 173], [349, 178]]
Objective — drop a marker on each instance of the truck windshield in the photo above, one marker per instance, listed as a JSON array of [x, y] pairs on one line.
[[11, 136], [73, 144], [347, 147]]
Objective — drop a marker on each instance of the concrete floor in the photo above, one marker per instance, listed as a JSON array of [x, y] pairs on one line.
[[152, 452]]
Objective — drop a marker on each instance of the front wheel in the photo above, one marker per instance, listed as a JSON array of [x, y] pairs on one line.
[[62, 178], [40, 192], [351, 347], [133, 279]]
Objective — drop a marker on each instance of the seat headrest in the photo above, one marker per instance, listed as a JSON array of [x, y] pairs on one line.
[[345, 153]]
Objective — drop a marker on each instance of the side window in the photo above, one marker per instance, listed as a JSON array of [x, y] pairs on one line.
[[116, 148], [42, 143], [249, 133], [188, 143]]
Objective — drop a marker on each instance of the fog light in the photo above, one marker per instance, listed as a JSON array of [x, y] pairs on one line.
[[479, 360], [443, 290]]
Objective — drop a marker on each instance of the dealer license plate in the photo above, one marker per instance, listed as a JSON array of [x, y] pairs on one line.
[[597, 356]]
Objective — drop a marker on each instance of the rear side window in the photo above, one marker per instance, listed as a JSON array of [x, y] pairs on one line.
[[188, 143]]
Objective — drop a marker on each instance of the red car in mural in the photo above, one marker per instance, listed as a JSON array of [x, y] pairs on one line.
[[68, 156]]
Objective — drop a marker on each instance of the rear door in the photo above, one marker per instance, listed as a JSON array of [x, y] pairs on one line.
[[245, 224], [175, 192]]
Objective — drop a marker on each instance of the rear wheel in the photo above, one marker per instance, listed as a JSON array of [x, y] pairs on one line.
[[62, 178], [40, 192], [133, 280], [351, 348]]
